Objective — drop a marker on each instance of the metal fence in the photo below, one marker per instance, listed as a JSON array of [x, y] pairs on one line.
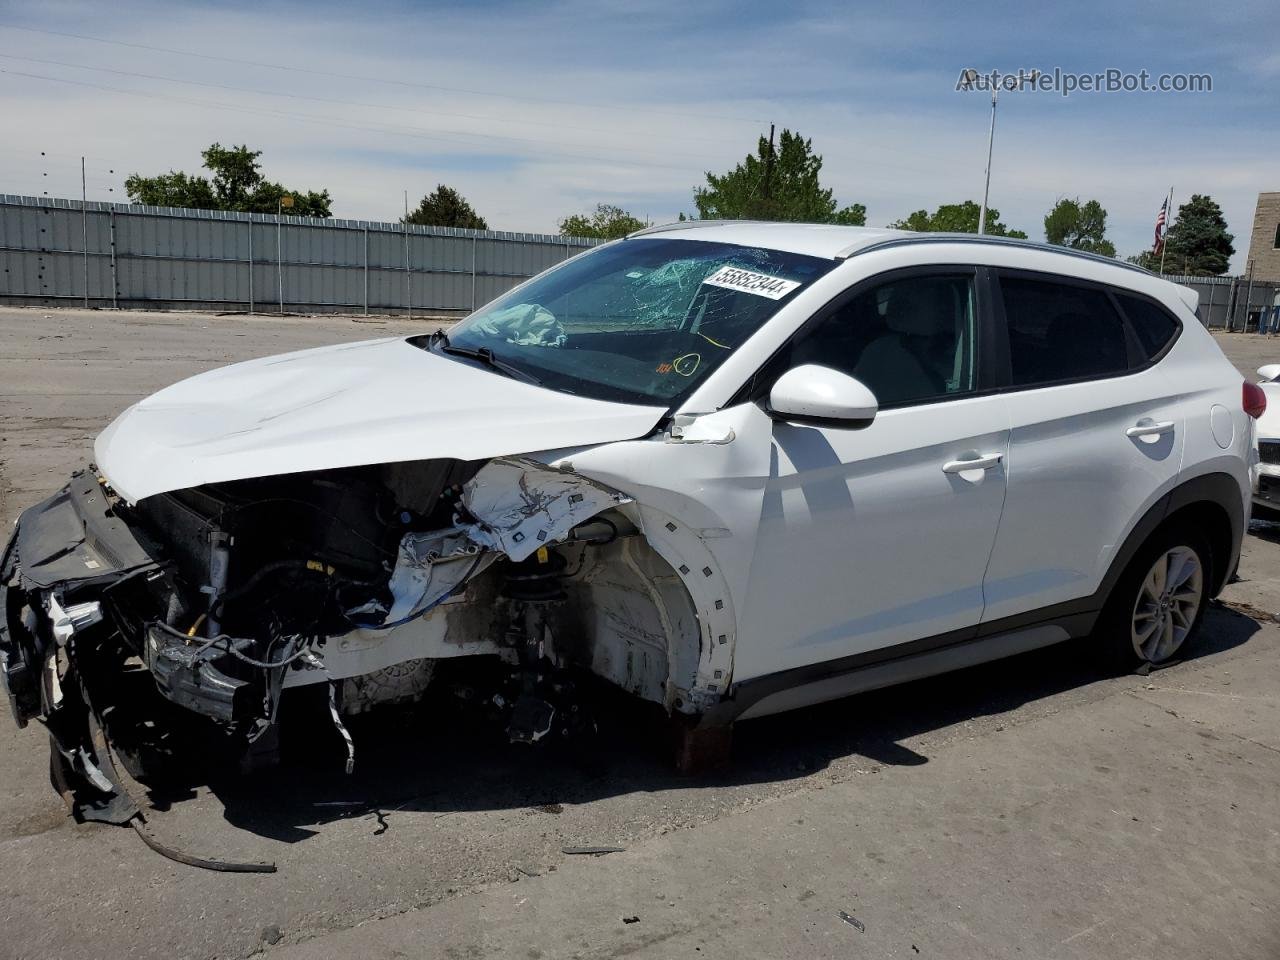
[[56, 251], [1231, 303]]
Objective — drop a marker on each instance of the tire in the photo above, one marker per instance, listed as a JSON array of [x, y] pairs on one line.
[[1156, 607]]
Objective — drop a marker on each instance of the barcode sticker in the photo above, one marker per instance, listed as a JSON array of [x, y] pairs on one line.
[[760, 284]]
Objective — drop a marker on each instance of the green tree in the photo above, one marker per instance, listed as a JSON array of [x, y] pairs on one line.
[[237, 184], [1198, 242], [446, 207], [607, 223], [1147, 259], [957, 218], [776, 183], [1081, 226]]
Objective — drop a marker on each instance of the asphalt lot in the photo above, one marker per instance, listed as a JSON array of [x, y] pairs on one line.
[[1029, 808]]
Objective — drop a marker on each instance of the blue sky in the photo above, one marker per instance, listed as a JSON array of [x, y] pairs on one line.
[[538, 110]]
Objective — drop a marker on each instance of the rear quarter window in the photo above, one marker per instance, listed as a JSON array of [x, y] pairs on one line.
[[1154, 326]]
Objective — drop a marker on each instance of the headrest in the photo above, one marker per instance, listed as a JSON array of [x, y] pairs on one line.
[[921, 309]]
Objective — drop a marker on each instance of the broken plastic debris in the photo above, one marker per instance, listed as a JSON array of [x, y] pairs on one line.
[[591, 851], [853, 922]]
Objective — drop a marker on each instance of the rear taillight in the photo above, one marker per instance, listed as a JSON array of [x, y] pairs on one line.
[[1254, 399]]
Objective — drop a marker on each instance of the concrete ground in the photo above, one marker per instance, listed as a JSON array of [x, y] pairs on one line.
[[1028, 808]]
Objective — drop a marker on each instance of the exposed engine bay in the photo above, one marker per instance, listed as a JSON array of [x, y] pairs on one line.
[[360, 578]]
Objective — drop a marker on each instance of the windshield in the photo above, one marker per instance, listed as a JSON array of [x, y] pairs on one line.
[[641, 321]]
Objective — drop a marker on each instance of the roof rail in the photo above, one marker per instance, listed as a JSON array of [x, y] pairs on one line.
[[686, 225], [988, 239]]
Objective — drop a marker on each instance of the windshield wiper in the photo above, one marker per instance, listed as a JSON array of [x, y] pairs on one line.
[[483, 355]]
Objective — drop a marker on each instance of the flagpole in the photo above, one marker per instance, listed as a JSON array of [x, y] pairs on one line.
[[1168, 218]]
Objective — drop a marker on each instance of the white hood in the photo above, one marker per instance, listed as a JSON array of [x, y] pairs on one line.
[[377, 401]]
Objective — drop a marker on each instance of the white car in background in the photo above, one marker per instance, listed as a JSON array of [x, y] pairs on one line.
[[728, 468], [1266, 491]]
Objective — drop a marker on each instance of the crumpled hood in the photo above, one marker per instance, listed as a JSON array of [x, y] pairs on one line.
[[376, 401]]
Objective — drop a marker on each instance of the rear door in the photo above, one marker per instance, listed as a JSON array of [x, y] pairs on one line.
[[1096, 435]]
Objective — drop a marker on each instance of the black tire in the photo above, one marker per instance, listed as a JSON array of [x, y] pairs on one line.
[[1132, 604]]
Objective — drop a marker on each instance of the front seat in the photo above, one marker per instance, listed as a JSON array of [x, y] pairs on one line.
[[895, 365]]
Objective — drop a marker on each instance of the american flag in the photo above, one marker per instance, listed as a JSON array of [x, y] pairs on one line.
[[1161, 217]]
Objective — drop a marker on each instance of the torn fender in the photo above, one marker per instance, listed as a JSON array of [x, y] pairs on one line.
[[520, 505]]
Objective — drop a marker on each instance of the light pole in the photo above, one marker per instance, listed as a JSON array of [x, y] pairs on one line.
[[970, 78]]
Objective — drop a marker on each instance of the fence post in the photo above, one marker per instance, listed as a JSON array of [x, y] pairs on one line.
[[408, 277], [366, 271], [1248, 298], [115, 286], [473, 274], [279, 265], [84, 231], [1208, 313], [251, 263]]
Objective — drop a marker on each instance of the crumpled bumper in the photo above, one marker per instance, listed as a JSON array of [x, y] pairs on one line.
[[64, 552]]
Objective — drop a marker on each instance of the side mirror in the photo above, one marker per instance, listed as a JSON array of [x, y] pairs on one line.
[[1270, 371], [821, 396]]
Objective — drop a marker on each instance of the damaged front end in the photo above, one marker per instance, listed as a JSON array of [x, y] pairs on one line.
[[361, 578]]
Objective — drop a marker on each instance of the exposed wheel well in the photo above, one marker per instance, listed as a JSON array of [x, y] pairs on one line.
[[1212, 521]]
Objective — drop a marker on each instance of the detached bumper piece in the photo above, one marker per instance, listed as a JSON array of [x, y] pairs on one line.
[[200, 681], [63, 560], [65, 554]]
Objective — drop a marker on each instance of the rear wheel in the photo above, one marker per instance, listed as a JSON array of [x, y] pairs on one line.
[[1157, 605]]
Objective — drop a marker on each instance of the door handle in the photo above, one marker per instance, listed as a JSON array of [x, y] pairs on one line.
[[1150, 429], [977, 463]]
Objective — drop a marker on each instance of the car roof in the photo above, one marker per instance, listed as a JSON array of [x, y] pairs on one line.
[[840, 242]]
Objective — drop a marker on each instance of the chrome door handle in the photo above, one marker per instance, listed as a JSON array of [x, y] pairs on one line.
[[1150, 429], [977, 463]]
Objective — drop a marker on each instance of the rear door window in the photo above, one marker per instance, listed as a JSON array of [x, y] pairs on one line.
[[1061, 331]]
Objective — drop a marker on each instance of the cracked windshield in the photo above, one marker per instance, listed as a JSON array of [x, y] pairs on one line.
[[640, 321]]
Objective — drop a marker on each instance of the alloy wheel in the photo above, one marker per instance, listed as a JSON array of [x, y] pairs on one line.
[[1167, 604]]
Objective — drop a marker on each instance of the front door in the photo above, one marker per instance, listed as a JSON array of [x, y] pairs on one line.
[[877, 537]]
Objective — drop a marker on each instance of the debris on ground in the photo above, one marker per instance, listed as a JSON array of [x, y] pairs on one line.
[[592, 851], [853, 922]]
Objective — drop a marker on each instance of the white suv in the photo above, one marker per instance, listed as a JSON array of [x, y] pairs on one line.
[[730, 468]]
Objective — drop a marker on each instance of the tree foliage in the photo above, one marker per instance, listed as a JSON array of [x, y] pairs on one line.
[[776, 183], [957, 218], [1081, 226], [446, 207], [606, 223], [237, 184], [1198, 242]]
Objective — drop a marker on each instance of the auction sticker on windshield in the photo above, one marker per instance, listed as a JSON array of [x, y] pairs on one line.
[[761, 284]]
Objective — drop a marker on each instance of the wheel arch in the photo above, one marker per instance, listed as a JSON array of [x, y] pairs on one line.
[[1214, 502]]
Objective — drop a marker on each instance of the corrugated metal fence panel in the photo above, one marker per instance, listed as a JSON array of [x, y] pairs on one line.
[[167, 256]]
